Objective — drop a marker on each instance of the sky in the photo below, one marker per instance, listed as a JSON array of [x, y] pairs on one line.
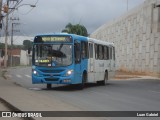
[[50, 16]]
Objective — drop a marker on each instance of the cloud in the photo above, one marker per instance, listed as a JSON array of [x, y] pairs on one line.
[[53, 15]]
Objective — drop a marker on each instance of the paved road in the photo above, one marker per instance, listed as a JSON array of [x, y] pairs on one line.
[[117, 95]]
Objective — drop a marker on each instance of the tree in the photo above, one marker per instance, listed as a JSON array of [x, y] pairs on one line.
[[27, 44], [2, 45], [76, 29]]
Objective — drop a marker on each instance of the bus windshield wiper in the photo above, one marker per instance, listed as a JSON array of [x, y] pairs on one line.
[[60, 47], [57, 53]]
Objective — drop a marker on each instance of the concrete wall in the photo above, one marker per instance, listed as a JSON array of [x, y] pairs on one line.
[[136, 36], [25, 59]]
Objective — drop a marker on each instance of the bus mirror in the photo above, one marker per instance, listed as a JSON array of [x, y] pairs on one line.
[[29, 51]]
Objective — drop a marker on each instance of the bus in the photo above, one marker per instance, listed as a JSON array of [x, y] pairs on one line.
[[63, 58]]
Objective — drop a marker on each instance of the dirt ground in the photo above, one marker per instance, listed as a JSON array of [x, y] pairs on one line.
[[129, 75]]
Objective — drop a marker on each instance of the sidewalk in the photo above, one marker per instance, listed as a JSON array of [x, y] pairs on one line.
[[4, 105], [30, 100]]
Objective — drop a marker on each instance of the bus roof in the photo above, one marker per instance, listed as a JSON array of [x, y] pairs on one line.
[[45, 34], [83, 38], [101, 42]]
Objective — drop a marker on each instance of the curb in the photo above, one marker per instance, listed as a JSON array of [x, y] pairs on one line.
[[2, 73], [13, 108], [7, 104]]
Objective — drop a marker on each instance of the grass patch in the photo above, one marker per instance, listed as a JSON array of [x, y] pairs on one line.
[[2, 74]]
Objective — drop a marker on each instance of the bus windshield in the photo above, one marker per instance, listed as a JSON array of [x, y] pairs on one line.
[[52, 55]]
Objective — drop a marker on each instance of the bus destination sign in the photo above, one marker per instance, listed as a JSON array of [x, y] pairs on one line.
[[53, 39]]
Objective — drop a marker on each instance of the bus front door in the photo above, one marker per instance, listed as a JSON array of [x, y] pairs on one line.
[[77, 65]]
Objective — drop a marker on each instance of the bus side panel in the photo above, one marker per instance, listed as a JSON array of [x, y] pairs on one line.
[[82, 66], [107, 67], [91, 63], [112, 63], [99, 72], [78, 71], [112, 69], [77, 74], [91, 77]]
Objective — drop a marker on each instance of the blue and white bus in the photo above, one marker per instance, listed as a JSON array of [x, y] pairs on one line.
[[71, 59]]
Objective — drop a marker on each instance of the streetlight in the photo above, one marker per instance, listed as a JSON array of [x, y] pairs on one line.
[[6, 30], [27, 4], [15, 8]]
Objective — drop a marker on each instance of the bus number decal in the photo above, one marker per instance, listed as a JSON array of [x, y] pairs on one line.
[[43, 61]]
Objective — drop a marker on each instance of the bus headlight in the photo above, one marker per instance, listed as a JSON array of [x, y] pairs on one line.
[[69, 72], [35, 72]]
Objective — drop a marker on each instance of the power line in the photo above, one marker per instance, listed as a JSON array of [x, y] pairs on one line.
[[30, 9], [37, 2], [12, 10], [26, 12]]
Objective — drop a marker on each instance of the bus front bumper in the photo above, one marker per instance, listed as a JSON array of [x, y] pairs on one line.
[[52, 80]]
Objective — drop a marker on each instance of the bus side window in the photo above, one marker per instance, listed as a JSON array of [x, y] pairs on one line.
[[114, 57], [105, 53], [110, 51], [77, 52], [90, 50], [96, 51], [84, 49], [100, 52]]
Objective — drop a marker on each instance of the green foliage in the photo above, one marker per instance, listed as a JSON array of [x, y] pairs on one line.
[[2, 45], [76, 29], [27, 44]]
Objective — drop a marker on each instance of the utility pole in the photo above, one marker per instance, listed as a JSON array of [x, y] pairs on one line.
[[12, 45], [6, 38], [6, 10], [12, 31], [0, 13]]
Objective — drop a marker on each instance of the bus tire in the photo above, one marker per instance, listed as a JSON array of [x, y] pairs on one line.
[[49, 86], [103, 82], [105, 78], [84, 78]]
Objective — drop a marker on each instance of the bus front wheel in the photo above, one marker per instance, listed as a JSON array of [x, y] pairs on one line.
[[49, 86], [84, 78]]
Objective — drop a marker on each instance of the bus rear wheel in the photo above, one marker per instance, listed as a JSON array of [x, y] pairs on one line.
[[105, 78], [103, 82], [49, 86]]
